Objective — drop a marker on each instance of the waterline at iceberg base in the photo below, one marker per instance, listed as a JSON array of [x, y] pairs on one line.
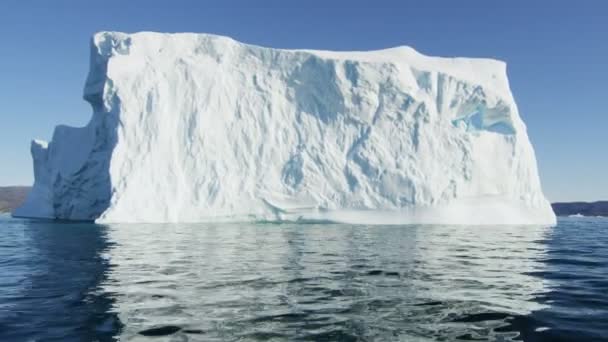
[[197, 127]]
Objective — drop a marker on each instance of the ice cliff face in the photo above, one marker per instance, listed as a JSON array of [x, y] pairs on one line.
[[197, 127]]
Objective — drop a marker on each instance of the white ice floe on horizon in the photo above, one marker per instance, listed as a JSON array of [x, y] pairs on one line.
[[576, 215]]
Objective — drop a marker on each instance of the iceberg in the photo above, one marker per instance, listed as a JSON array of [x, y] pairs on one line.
[[198, 127]]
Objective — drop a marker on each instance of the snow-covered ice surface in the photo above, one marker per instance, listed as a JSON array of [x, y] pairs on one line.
[[197, 127]]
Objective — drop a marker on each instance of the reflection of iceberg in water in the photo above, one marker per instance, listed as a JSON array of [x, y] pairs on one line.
[[325, 281], [489, 265], [50, 283]]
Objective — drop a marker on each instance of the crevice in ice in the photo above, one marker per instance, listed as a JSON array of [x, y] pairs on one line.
[[292, 171], [423, 79], [315, 89], [441, 84], [494, 120], [351, 72]]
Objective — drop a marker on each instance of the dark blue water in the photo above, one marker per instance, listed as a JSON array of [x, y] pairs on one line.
[[249, 282]]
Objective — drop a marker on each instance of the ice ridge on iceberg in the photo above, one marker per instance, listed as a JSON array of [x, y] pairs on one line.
[[198, 127]]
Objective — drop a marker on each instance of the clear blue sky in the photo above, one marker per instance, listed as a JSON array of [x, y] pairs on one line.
[[557, 55]]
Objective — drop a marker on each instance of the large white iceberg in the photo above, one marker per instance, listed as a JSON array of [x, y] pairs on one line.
[[198, 127]]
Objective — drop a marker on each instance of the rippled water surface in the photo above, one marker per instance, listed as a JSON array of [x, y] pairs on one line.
[[219, 282]]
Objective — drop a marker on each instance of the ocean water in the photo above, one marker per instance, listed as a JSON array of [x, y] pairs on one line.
[[258, 282]]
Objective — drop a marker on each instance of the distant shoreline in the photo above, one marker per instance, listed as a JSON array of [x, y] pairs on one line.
[[599, 208], [13, 196]]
